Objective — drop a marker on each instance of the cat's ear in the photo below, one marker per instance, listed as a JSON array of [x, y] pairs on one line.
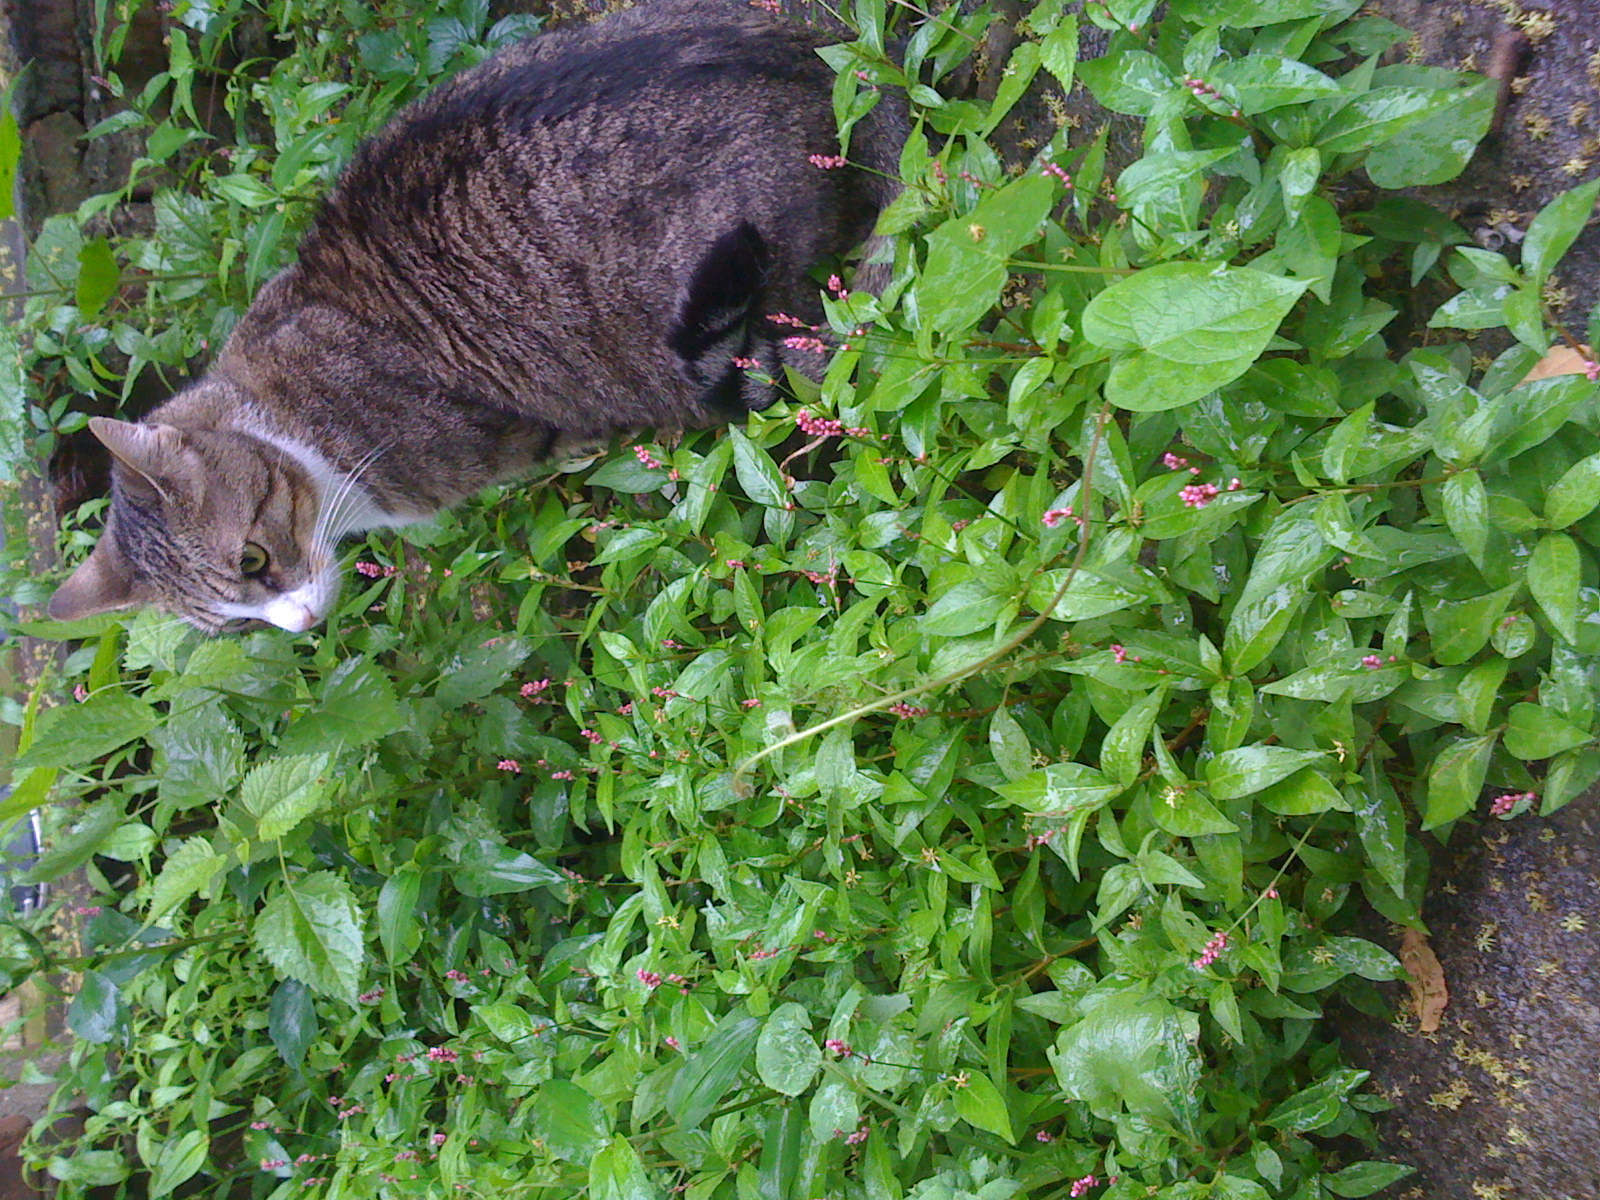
[[102, 581], [153, 453]]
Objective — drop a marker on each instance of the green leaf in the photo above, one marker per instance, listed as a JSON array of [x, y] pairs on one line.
[[1187, 813], [1131, 1052], [97, 1013], [1009, 745], [1060, 788], [98, 277], [1553, 231], [1534, 733], [1376, 116], [472, 675], [570, 1122], [188, 869], [74, 735], [757, 474], [1133, 82], [969, 255], [292, 1021], [617, 1174], [204, 754], [490, 868], [980, 1104], [1466, 512], [1318, 1105], [968, 607], [1122, 751], [1234, 774], [93, 1168], [11, 154], [1436, 149], [1246, 14], [1256, 627], [1575, 495], [282, 792], [1258, 83], [1185, 329], [311, 931], [1455, 778], [1087, 596], [1365, 1178], [358, 706], [1553, 578], [712, 1068], [178, 1162], [787, 1057], [399, 930], [1300, 795]]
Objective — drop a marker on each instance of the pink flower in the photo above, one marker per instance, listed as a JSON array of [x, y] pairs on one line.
[[1054, 516], [591, 736], [1174, 462], [815, 426], [442, 1054], [1591, 371], [1119, 653], [1372, 662], [751, 703], [511, 765], [649, 978], [859, 1136], [673, 1043], [907, 711], [529, 690], [827, 162], [439, 1139], [746, 364], [1055, 170], [645, 457], [1080, 1186], [1198, 495], [1213, 950], [1044, 1135], [840, 1048], [80, 693], [836, 286], [805, 343], [1503, 805]]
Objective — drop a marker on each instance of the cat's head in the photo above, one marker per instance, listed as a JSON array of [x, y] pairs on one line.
[[213, 526]]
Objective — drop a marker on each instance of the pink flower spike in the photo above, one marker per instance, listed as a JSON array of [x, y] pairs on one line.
[[1372, 662], [815, 345], [1174, 462], [827, 162], [649, 978], [1591, 371], [511, 765], [1080, 1186], [1119, 653], [1198, 495]]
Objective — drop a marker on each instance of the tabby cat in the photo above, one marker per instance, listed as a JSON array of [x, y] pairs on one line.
[[588, 233]]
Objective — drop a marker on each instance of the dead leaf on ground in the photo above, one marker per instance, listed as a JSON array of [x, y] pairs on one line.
[[1562, 360], [1429, 995]]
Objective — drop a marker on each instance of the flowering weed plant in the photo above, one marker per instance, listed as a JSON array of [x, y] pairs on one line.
[[961, 782]]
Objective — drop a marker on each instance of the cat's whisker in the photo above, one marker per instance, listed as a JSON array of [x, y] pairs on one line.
[[334, 521]]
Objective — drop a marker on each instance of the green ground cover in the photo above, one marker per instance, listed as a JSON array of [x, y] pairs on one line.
[[974, 804]]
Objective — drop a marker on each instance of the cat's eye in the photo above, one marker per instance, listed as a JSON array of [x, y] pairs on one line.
[[252, 560]]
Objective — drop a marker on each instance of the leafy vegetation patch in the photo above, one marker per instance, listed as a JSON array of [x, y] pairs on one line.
[[973, 801]]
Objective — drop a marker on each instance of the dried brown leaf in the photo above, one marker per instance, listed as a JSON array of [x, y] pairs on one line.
[[1562, 360], [1429, 995]]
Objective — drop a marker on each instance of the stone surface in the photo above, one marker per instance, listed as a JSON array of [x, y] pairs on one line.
[[1503, 1101]]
